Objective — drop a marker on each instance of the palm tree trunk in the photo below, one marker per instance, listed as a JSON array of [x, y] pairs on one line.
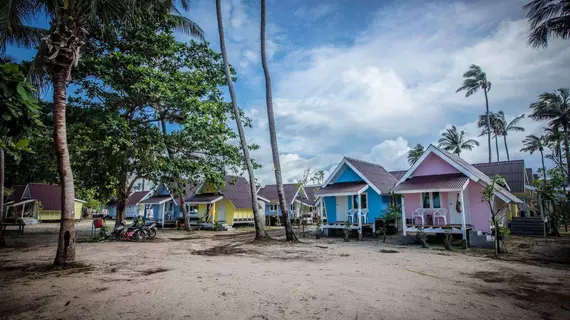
[[259, 221], [2, 240], [567, 151], [289, 233], [180, 194], [506, 147], [488, 123], [66, 244], [497, 147], [543, 167]]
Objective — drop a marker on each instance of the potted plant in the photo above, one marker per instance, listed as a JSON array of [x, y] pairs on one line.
[[319, 231], [423, 237], [448, 238], [347, 230]]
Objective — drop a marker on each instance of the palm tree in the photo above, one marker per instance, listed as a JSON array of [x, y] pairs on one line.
[[506, 127], [555, 107], [289, 234], [554, 138], [415, 153], [258, 220], [59, 52], [476, 79], [547, 18], [531, 144], [495, 129], [454, 141]]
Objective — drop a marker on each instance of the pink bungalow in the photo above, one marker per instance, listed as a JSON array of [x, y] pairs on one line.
[[442, 189]]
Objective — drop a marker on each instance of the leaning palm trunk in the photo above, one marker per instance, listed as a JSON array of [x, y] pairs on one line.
[[488, 123], [497, 147], [2, 240], [259, 221], [543, 166], [289, 233], [506, 147], [66, 243], [567, 151]]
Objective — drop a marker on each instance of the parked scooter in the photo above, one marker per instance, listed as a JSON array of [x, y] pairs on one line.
[[132, 233], [150, 228]]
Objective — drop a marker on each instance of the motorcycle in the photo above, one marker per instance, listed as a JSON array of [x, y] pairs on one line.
[[150, 228], [132, 233]]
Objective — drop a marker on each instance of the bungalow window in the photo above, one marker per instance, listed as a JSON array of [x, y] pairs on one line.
[[431, 200], [364, 201], [272, 207], [192, 208], [292, 207]]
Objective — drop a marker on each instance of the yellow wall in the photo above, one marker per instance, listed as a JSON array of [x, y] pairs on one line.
[[231, 212], [51, 215]]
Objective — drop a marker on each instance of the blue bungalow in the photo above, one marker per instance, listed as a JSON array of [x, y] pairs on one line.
[[162, 207], [298, 201], [132, 209], [357, 191]]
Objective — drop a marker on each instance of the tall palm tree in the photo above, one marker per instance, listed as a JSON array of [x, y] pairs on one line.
[[548, 18], [495, 129], [258, 220], [476, 79], [415, 153], [555, 107], [59, 52], [554, 139], [454, 141], [289, 233], [506, 127], [531, 144]]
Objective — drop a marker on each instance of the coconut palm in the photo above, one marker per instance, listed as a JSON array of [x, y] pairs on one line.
[[555, 108], [454, 141], [531, 144], [548, 19], [60, 50], [476, 79], [258, 220], [289, 234], [506, 127], [554, 139], [495, 129], [415, 153]]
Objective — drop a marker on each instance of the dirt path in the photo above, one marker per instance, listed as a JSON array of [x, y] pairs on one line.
[[206, 275]]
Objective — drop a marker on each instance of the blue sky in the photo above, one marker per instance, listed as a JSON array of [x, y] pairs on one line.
[[370, 79]]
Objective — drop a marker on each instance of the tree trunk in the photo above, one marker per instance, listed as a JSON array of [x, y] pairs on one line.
[[259, 220], [497, 147], [543, 167], [289, 233], [65, 255], [2, 240], [567, 151], [122, 197], [506, 147], [488, 123]]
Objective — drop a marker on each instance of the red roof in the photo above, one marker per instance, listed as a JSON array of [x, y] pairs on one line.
[[48, 194], [136, 197], [433, 182]]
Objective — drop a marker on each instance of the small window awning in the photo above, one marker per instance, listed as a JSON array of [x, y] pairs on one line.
[[156, 200], [20, 203], [204, 198], [442, 182], [342, 189]]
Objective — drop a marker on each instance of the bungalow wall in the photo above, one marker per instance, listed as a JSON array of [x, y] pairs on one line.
[[55, 215]]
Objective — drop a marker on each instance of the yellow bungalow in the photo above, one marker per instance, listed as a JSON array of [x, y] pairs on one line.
[[228, 206], [39, 201]]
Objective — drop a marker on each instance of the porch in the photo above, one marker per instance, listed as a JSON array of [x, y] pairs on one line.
[[160, 209]]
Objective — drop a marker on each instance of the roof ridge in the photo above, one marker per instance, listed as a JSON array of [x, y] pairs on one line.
[[368, 162]]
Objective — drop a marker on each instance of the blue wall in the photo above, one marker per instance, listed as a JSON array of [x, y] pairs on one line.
[[348, 175], [330, 207]]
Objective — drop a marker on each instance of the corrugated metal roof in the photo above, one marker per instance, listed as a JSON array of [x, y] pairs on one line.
[[136, 197], [155, 199], [398, 174], [48, 194], [269, 192], [512, 171], [341, 187], [238, 191], [375, 173], [204, 197], [433, 182], [311, 195]]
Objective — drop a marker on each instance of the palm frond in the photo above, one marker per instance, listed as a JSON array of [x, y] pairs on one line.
[[547, 18], [188, 26]]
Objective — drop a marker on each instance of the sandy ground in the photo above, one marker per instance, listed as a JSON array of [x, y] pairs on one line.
[[222, 275]]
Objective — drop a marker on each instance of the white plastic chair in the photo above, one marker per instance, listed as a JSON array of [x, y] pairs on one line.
[[364, 216], [440, 213], [418, 213], [350, 216]]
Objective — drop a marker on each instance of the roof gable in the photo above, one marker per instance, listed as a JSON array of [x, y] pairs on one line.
[[371, 173], [137, 197], [348, 175], [434, 165], [269, 192]]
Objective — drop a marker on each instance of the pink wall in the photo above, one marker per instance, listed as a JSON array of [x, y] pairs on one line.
[[433, 165], [479, 211]]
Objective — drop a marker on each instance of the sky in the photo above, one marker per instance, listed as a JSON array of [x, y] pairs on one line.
[[371, 79]]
